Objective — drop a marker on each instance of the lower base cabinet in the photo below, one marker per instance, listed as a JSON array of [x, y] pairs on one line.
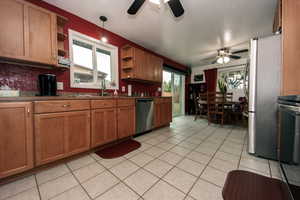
[[126, 121], [162, 112], [16, 138], [104, 126], [58, 135]]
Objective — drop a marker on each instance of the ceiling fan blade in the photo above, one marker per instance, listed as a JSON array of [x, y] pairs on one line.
[[234, 57], [240, 51], [214, 62], [135, 6], [176, 7]]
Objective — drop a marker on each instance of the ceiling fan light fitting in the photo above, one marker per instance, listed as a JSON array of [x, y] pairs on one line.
[[157, 2], [223, 60]]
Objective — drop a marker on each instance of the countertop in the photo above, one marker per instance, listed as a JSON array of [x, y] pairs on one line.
[[71, 97]]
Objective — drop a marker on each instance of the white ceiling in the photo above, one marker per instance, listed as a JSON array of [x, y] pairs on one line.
[[206, 26]]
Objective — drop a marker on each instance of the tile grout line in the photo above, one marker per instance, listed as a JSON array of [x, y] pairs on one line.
[[161, 178], [38, 188], [199, 177]]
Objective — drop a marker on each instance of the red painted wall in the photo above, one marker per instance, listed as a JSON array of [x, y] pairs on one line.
[[25, 78]]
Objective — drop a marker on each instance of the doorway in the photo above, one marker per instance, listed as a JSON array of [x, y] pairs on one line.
[[173, 86]]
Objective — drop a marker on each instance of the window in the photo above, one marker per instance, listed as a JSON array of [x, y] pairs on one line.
[[92, 62], [235, 80]]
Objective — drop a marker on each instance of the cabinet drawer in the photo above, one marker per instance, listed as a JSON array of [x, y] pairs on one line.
[[158, 100], [126, 102], [60, 106], [166, 100], [103, 104]]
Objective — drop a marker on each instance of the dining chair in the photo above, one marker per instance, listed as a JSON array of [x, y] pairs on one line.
[[201, 105], [215, 106]]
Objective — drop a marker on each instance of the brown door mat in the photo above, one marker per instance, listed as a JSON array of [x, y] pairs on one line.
[[243, 185], [118, 150]]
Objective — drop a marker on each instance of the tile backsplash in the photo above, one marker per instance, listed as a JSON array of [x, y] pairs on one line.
[[25, 79]]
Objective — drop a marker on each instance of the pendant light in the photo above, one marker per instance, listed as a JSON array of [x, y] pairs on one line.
[[103, 38]]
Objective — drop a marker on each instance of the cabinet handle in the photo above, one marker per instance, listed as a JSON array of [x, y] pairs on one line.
[[28, 112], [66, 105]]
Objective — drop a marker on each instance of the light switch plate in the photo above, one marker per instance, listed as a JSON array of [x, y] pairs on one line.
[[123, 88], [60, 85]]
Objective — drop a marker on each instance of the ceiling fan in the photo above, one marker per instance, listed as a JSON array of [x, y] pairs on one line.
[[224, 55], [175, 6]]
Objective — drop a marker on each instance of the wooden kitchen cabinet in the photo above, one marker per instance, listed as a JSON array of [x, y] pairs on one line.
[[162, 112], [28, 33], [104, 126], [291, 47], [126, 121], [13, 42], [58, 135], [42, 35], [140, 65], [16, 138]]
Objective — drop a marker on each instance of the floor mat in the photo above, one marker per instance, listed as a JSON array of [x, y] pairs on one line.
[[119, 149]]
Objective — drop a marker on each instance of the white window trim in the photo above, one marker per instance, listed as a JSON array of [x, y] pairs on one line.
[[108, 47]]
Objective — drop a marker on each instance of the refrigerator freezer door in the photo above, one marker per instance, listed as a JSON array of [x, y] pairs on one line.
[[252, 74], [251, 133]]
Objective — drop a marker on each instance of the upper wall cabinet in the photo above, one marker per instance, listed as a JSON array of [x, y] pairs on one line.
[[28, 32], [291, 47], [140, 65]]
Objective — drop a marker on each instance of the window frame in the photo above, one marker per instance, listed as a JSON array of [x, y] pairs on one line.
[[95, 44]]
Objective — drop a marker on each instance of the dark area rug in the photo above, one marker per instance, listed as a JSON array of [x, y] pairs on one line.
[[119, 149], [243, 185]]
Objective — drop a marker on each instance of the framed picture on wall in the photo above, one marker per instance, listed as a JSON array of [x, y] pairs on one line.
[[199, 78]]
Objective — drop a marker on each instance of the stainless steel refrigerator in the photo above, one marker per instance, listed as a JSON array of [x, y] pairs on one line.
[[264, 89]]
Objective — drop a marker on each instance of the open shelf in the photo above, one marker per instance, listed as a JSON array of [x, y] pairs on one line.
[[62, 52], [61, 36], [61, 21]]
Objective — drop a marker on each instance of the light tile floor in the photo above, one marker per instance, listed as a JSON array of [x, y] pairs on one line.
[[187, 161]]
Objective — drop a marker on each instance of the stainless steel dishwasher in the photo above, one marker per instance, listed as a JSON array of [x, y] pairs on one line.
[[144, 115]]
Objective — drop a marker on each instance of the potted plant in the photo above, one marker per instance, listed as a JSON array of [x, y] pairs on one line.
[[222, 86]]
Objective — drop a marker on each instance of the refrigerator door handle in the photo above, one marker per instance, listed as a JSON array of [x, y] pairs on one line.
[[251, 133], [252, 75]]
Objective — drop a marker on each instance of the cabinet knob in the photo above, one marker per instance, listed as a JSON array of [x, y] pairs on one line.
[[66, 105]]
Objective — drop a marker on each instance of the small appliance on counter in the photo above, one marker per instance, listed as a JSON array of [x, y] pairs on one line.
[[47, 85], [6, 91]]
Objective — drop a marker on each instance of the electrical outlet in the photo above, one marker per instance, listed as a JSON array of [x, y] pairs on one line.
[[123, 89], [60, 86]]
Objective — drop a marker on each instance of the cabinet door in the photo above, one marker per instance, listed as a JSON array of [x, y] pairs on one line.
[[126, 121], [42, 35], [169, 112], [140, 62], [50, 136], [291, 47], [13, 29], [77, 132], [16, 138], [104, 126], [157, 115]]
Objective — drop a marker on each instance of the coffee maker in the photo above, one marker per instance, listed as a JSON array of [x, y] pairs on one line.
[[47, 85]]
